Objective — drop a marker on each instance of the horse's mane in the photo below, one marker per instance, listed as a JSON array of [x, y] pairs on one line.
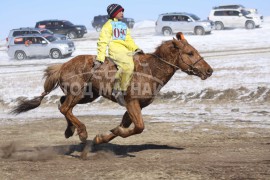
[[162, 46], [168, 49]]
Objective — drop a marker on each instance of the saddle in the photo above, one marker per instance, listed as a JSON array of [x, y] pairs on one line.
[[140, 65]]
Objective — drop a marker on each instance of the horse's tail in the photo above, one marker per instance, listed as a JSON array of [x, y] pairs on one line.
[[52, 74]]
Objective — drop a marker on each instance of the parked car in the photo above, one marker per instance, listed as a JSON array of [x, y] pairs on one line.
[[99, 21], [29, 30], [129, 22], [169, 23], [37, 45], [229, 6], [238, 6], [63, 27], [234, 16]]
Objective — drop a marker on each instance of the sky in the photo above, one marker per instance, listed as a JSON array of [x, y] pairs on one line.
[[17, 13]]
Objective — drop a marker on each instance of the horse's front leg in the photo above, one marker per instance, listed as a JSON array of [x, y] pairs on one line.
[[134, 115], [134, 111], [104, 138]]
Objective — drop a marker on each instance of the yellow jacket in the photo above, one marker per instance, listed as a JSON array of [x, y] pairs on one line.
[[114, 33]]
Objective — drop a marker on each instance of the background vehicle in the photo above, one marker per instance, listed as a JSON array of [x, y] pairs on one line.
[[36, 45], [169, 23], [29, 30], [234, 16], [238, 6], [63, 27], [99, 21], [129, 22], [229, 6]]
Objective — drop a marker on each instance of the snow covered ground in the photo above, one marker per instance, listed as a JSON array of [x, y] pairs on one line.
[[238, 91]]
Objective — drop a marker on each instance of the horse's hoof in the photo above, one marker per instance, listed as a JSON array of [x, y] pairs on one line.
[[98, 139], [115, 131], [69, 131], [119, 131], [67, 135], [83, 137], [87, 147], [84, 155]]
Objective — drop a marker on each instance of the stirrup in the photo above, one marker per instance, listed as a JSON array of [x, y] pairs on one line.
[[119, 97]]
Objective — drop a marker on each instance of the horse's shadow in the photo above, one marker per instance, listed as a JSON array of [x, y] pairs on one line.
[[119, 150], [16, 151]]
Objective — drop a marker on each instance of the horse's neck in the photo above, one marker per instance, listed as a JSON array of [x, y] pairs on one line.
[[159, 69]]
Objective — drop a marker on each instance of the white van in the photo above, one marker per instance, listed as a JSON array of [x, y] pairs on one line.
[[234, 17]]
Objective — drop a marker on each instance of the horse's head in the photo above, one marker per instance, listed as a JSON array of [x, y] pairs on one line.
[[189, 60]]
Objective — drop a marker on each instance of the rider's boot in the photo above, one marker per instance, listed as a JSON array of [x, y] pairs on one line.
[[118, 94]]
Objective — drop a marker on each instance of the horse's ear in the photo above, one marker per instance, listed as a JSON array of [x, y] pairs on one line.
[[177, 44], [180, 36]]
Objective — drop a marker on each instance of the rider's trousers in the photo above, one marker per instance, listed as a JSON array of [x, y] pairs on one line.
[[123, 58]]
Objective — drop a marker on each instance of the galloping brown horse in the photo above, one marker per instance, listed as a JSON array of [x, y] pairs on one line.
[[83, 85]]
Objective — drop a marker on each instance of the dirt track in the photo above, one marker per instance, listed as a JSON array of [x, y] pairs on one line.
[[39, 150]]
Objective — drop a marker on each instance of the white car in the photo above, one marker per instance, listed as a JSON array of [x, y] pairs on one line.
[[234, 18], [35, 45], [169, 23], [237, 6], [28, 30]]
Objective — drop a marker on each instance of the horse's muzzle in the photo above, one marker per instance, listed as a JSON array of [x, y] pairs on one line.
[[207, 74]]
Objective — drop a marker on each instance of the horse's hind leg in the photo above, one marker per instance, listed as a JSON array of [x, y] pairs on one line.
[[104, 138], [66, 109], [70, 127]]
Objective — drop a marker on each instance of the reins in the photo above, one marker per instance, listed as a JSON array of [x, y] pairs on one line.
[[191, 66], [159, 58]]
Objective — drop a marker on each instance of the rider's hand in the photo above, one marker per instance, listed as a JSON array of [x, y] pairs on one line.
[[97, 64], [139, 51]]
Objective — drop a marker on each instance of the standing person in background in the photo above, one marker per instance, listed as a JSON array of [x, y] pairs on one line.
[[115, 36]]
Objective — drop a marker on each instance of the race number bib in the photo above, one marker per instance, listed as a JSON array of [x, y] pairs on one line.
[[119, 30]]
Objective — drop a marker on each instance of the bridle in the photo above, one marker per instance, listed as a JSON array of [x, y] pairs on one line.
[[166, 62], [191, 70]]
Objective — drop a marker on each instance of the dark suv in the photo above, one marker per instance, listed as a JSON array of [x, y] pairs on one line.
[[63, 27], [100, 20]]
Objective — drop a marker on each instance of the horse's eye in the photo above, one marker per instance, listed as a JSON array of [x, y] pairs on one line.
[[190, 53]]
